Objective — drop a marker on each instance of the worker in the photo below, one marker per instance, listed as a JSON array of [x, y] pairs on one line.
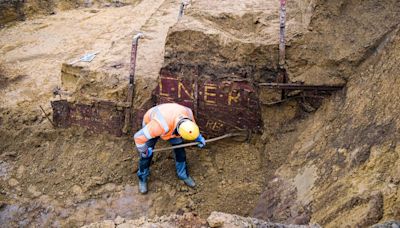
[[172, 122]]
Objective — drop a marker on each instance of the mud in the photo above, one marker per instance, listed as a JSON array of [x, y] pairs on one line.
[[46, 211], [92, 177]]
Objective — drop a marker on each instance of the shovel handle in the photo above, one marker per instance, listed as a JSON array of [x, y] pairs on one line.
[[195, 143]]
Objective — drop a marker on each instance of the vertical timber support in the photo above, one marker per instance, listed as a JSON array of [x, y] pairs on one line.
[[131, 86], [282, 75]]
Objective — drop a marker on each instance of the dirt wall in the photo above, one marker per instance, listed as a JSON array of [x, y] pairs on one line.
[[308, 155], [341, 168]]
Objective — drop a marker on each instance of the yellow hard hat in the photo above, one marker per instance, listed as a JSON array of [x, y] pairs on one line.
[[188, 130]]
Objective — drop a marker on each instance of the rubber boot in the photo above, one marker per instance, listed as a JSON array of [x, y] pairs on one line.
[[142, 187], [189, 182], [143, 172]]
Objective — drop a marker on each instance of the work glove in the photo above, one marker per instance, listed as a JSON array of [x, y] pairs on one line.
[[147, 153], [201, 140]]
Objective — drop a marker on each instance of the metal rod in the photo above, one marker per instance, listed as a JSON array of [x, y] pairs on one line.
[[293, 86], [182, 8], [195, 143], [47, 116], [291, 98], [282, 75], [282, 25], [131, 86], [132, 69]]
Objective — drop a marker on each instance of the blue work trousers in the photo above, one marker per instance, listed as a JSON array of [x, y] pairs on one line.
[[180, 160]]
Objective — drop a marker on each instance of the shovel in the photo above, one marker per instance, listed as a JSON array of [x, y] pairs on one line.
[[238, 136]]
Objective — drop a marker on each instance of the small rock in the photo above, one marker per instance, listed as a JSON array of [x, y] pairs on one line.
[[191, 205], [13, 182], [389, 224], [108, 224], [9, 154], [119, 220], [184, 189], [33, 190], [125, 225], [77, 190], [110, 187], [215, 220], [180, 212], [103, 224], [141, 220]]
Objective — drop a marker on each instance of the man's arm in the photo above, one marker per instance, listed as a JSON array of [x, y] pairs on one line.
[[151, 130]]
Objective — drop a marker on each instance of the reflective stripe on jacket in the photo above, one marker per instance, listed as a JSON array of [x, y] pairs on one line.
[[161, 120]]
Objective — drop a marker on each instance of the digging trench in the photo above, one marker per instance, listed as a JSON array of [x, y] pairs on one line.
[[314, 160]]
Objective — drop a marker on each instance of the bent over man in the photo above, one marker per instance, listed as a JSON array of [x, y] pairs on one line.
[[170, 122]]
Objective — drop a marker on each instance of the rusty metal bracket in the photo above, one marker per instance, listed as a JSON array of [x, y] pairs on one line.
[[99, 117]]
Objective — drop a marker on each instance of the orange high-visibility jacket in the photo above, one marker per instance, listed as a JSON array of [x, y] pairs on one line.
[[161, 120]]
